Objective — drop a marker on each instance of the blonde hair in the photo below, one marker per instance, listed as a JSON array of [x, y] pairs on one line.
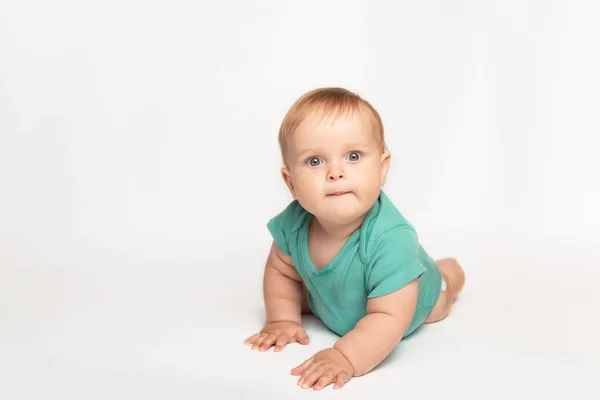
[[331, 101]]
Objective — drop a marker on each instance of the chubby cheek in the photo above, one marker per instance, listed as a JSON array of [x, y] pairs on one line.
[[308, 188], [305, 180], [369, 184]]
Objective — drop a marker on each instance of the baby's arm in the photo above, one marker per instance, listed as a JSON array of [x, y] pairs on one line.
[[360, 350], [375, 336], [282, 289]]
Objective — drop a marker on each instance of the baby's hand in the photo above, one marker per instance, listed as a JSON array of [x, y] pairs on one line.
[[278, 333], [325, 367]]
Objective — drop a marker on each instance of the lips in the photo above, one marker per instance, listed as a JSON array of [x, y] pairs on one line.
[[339, 193]]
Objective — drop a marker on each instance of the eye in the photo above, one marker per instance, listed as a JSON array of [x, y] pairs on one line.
[[314, 161], [353, 156]]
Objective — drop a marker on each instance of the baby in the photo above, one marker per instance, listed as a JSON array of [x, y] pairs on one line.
[[341, 250]]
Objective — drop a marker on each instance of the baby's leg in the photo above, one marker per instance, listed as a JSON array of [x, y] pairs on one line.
[[454, 276]]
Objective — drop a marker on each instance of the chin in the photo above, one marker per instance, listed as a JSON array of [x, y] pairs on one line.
[[341, 217]]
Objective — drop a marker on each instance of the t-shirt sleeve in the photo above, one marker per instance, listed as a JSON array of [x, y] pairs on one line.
[[281, 226], [395, 262]]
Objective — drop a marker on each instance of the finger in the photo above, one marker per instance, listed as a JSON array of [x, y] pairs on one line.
[[311, 375], [302, 337], [300, 368], [326, 378], [308, 371], [251, 339], [341, 380], [259, 341], [270, 339], [281, 341]]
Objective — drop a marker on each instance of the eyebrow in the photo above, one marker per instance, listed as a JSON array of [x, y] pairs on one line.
[[307, 152], [352, 146]]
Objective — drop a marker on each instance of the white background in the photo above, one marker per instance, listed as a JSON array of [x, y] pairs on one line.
[[139, 165]]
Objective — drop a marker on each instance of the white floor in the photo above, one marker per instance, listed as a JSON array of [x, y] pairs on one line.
[[153, 331], [137, 137]]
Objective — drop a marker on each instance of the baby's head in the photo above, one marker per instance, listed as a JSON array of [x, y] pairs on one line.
[[334, 154]]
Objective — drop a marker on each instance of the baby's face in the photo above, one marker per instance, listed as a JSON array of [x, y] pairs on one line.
[[336, 166]]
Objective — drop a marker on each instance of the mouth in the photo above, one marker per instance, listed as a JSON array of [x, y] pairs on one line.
[[340, 193]]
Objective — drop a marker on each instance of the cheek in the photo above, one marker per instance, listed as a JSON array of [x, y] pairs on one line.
[[308, 186], [368, 170], [306, 179]]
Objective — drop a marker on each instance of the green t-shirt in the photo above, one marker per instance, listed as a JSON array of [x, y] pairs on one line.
[[380, 257]]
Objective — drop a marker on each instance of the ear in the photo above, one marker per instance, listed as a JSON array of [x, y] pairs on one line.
[[385, 166], [287, 178]]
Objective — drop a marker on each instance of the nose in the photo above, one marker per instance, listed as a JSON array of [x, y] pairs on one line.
[[335, 173]]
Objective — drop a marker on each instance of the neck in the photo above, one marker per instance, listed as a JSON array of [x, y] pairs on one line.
[[338, 231]]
